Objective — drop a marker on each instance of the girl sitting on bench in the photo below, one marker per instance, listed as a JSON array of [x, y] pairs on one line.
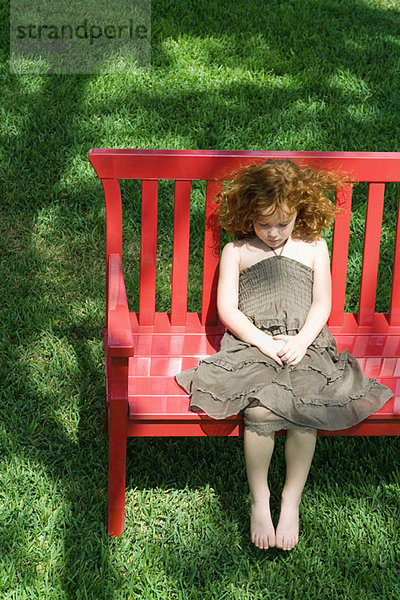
[[278, 364]]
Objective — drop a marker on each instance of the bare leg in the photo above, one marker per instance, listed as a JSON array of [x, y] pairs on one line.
[[258, 451], [299, 452]]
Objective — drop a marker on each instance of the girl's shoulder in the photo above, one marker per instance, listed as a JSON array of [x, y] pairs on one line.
[[246, 251], [237, 247], [232, 248], [231, 252], [314, 246], [321, 254], [242, 253], [308, 252]]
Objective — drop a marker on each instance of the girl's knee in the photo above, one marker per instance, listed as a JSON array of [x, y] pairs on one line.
[[261, 420], [257, 414]]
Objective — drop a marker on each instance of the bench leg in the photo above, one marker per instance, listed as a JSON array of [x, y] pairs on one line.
[[117, 466]]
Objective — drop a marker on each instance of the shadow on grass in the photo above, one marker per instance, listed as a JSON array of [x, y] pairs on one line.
[[348, 514]]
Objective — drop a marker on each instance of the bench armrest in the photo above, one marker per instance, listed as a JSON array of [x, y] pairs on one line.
[[119, 334]]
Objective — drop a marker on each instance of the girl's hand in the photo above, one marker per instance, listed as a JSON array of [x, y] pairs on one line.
[[292, 350], [270, 347]]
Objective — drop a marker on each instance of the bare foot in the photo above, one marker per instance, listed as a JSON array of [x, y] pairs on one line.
[[287, 531], [262, 528]]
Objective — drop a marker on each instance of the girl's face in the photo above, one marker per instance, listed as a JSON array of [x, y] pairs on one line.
[[274, 228]]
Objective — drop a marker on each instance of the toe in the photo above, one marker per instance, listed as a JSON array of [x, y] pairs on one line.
[[291, 544], [263, 544]]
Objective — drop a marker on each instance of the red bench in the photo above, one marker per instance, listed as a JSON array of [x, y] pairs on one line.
[[145, 349]]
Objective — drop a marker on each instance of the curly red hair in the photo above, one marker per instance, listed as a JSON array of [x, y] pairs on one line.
[[279, 184]]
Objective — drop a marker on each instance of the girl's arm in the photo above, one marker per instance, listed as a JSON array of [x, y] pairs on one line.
[[227, 303], [295, 347]]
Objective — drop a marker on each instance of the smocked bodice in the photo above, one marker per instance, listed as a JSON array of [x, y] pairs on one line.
[[278, 289], [276, 295]]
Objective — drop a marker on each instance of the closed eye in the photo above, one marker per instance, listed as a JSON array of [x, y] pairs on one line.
[[267, 224]]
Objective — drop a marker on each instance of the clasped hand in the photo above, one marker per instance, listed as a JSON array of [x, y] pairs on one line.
[[282, 349], [292, 350]]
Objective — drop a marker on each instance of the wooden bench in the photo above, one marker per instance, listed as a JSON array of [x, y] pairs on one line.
[[145, 349]]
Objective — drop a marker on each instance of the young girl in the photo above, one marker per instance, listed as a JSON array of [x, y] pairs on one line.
[[278, 363]]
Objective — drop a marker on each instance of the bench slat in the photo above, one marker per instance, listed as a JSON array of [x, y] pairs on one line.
[[211, 257], [373, 227], [112, 195], [180, 256], [148, 253], [394, 317], [340, 252]]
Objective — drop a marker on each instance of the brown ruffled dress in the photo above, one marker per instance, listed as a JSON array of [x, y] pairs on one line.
[[326, 390]]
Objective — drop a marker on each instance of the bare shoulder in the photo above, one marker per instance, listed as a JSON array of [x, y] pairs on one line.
[[228, 277], [320, 254], [321, 245], [231, 251], [238, 252], [230, 256], [309, 252]]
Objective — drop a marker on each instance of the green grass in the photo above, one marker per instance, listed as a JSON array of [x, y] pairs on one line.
[[306, 75]]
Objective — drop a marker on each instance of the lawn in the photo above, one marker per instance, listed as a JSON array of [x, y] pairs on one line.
[[293, 75]]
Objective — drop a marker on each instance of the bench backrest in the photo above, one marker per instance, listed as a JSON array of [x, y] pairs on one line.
[[185, 166]]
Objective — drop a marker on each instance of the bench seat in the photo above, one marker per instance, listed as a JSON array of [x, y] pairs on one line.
[[157, 406]]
